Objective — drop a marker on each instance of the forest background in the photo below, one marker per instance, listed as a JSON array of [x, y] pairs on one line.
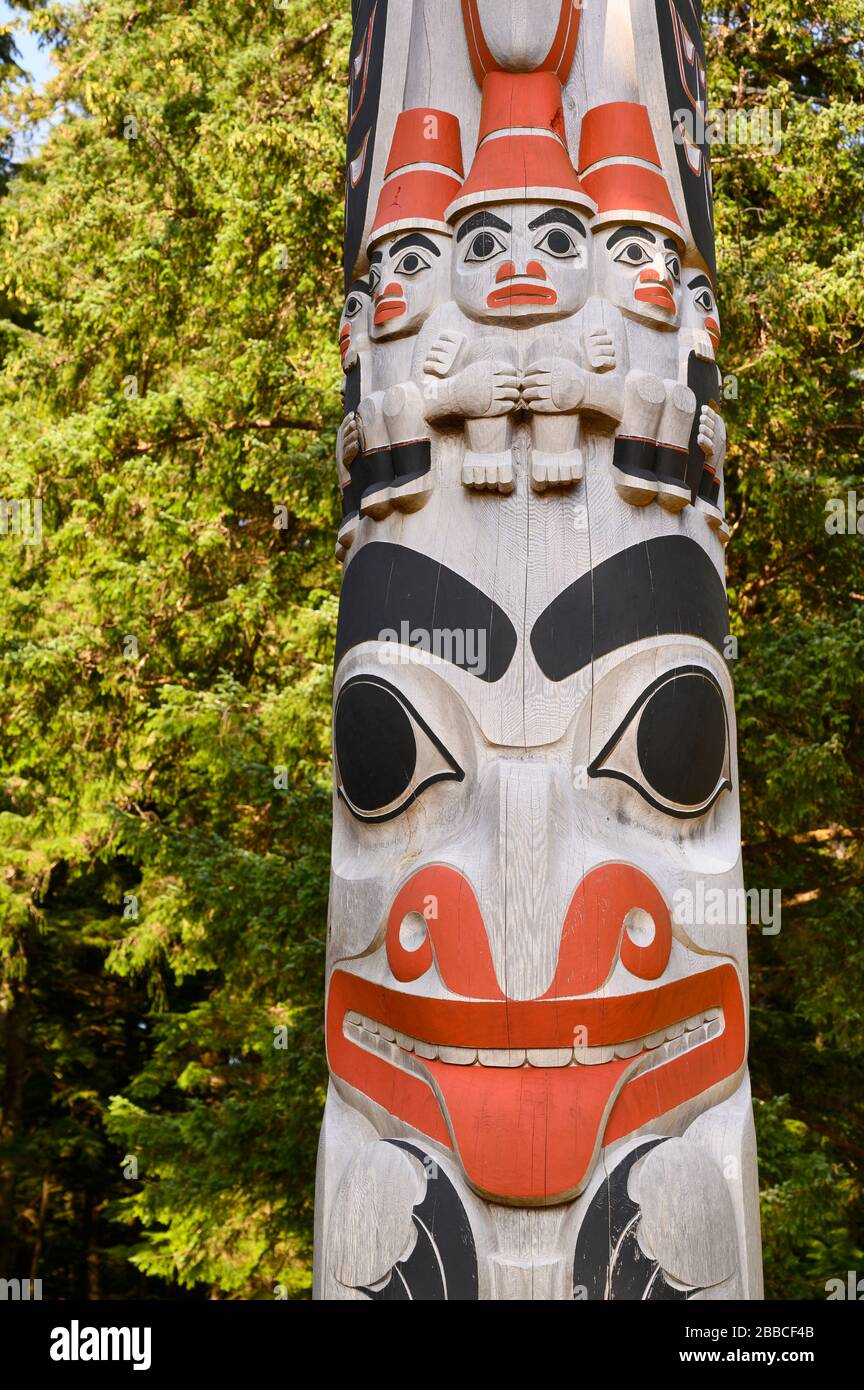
[[170, 227]]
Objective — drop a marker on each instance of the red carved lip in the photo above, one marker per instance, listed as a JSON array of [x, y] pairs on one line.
[[521, 293], [712, 328], [389, 309], [344, 341], [657, 294], [531, 1134]]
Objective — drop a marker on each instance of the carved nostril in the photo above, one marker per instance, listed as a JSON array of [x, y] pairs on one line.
[[507, 271], [640, 927], [413, 931], [535, 270]]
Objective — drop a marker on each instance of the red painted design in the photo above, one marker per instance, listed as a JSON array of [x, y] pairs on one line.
[[531, 1134]]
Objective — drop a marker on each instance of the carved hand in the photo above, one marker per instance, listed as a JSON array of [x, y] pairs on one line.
[[553, 386], [349, 440], [484, 389], [443, 352], [712, 432], [600, 351]]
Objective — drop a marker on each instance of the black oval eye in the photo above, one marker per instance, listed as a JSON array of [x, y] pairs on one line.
[[634, 253], [673, 744], [705, 302], [411, 263], [558, 243], [483, 246], [375, 746], [681, 741], [352, 306], [673, 265], [386, 755]]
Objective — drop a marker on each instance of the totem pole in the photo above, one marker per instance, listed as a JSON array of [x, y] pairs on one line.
[[536, 1034]]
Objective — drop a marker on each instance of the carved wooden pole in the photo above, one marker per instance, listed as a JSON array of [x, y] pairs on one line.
[[536, 1006]]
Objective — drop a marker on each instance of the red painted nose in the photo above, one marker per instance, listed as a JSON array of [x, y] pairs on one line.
[[615, 911], [508, 271], [653, 277], [391, 291]]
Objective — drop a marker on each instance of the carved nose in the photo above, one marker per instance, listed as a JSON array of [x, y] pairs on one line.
[[536, 271], [507, 271], [526, 930], [391, 291], [650, 276]]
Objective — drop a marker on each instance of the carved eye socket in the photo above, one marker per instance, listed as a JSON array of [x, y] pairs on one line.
[[560, 243], [353, 305], [483, 247], [374, 278], [386, 755], [673, 744], [673, 265], [411, 264], [705, 301], [633, 253]]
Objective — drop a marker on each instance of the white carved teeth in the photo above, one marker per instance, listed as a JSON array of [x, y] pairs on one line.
[[501, 1056], [457, 1056], [652, 1051]]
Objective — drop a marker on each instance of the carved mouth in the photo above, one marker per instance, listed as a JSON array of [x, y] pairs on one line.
[[657, 294], [664, 1045], [521, 293], [389, 309], [713, 331], [525, 1106]]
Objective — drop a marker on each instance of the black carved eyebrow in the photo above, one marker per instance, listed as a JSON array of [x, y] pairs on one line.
[[386, 585], [482, 219], [375, 257], [624, 232], [558, 215], [661, 587], [415, 239], [358, 287], [670, 244], [699, 282]]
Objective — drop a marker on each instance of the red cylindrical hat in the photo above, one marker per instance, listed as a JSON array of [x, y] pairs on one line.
[[424, 173], [522, 146], [620, 167]]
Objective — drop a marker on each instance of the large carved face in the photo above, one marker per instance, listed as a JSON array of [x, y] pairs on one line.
[[523, 787], [639, 271], [354, 324], [408, 276], [700, 310], [521, 263]]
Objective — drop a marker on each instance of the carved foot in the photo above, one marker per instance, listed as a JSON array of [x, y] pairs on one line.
[[490, 472], [556, 470]]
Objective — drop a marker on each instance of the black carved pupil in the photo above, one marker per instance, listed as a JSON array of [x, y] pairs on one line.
[[635, 253], [675, 268], [484, 245], [375, 747], [681, 741], [352, 307], [410, 264], [559, 243]]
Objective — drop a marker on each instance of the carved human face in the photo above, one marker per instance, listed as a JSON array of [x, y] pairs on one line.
[[700, 306], [408, 276], [639, 271], [521, 263], [507, 978], [354, 324]]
